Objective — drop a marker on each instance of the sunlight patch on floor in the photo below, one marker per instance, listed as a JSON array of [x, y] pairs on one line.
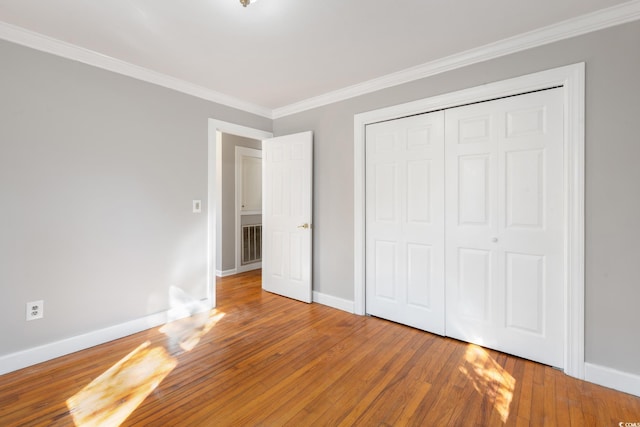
[[187, 332], [113, 396], [489, 379]]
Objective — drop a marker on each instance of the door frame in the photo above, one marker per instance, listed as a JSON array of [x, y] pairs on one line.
[[214, 189], [571, 79]]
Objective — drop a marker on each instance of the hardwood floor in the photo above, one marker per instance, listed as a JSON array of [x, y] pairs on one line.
[[261, 359]]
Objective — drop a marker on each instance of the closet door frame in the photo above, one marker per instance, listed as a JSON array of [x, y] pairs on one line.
[[571, 79]]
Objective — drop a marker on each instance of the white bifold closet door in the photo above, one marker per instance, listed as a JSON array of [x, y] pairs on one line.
[[505, 215], [405, 221], [465, 224]]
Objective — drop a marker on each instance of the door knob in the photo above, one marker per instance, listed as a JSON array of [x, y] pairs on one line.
[[494, 239], [305, 226]]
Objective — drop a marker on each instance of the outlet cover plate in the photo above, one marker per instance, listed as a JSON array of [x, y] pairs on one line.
[[35, 310]]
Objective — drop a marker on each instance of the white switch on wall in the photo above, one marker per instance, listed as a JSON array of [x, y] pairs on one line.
[[197, 206]]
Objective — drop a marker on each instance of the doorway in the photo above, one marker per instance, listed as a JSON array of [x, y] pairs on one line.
[[248, 208], [239, 154], [214, 197]]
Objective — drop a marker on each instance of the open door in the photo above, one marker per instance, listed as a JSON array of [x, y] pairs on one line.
[[287, 215]]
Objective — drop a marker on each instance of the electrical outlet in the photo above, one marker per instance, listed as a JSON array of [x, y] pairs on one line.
[[35, 310], [197, 206]]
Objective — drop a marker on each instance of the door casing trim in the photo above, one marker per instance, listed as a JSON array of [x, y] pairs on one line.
[[572, 80]]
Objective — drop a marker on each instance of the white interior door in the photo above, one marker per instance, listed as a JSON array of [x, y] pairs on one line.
[[504, 203], [287, 215], [405, 221]]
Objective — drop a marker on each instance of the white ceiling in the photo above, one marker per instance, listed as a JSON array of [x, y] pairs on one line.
[[275, 53]]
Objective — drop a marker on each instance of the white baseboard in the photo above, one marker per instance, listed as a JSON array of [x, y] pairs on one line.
[[335, 302], [225, 273], [249, 267], [32, 356], [612, 378], [241, 269]]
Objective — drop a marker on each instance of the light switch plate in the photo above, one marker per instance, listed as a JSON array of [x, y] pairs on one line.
[[197, 206]]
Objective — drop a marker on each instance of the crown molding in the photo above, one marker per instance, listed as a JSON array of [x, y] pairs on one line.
[[605, 18], [67, 50]]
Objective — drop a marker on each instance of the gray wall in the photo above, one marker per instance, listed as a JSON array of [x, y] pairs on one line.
[[612, 177], [228, 236], [97, 174]]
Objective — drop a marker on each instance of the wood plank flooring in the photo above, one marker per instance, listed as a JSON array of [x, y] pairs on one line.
[[264, 360]]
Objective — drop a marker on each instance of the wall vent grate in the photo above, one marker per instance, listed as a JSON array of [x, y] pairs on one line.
[[251, 244]]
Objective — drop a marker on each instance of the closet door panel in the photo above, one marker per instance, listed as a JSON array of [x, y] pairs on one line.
[[405, 221], [504, 225]]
